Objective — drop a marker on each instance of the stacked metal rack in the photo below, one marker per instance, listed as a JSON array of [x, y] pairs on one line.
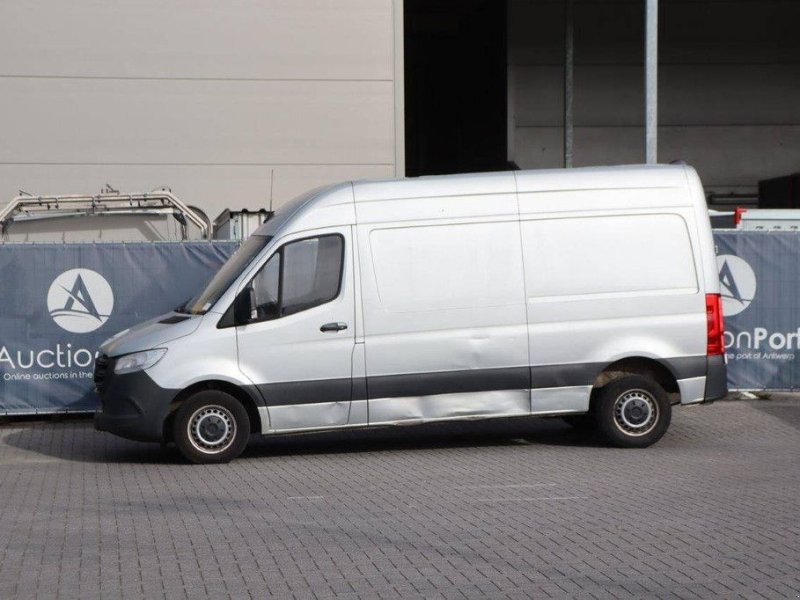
[[160, 203]]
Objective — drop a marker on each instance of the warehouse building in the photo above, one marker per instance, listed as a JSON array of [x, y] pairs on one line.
[[245, 103]]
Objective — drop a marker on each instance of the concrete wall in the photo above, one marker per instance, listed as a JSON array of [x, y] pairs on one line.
[[729, 86], [202, 96]]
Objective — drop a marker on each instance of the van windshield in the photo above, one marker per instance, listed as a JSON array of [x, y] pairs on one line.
[[201, 303]]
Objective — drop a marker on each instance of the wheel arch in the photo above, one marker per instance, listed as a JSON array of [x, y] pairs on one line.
[[639, 365], [250, 404]]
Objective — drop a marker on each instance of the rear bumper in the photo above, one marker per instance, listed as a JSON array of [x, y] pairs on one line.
[[133, 406], [716, 378]]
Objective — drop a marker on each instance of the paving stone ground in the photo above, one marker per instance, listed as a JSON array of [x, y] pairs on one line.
[[507, 509]]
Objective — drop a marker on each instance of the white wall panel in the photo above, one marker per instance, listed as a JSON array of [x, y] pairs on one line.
[[203, 96], [208, 122], [294, 39]]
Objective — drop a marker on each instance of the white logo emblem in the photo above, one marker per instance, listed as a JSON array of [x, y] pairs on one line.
[[737, 284], [80, 300]]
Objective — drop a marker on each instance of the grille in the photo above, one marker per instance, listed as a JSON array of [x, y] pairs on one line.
[[100, 371]]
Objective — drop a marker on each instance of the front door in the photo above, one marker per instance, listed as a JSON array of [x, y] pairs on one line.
[[298, 347]]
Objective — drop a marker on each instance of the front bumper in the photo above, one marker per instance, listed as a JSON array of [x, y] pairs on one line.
[[133, 406]]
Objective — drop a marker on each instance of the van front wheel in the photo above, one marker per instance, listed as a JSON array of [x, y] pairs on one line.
[[633, 412], [211, 427]]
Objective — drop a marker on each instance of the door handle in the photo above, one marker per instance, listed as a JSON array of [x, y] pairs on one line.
[[333, 327]]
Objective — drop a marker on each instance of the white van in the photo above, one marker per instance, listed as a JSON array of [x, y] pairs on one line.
[[590, 294]]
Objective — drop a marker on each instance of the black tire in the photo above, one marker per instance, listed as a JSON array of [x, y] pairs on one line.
[[582, 423], [211, 427], [632, 412]]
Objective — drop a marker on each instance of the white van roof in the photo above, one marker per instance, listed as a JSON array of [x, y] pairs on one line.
[[625, 176], [333, 204]]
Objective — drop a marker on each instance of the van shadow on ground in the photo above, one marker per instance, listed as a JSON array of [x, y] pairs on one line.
[[76, 440]]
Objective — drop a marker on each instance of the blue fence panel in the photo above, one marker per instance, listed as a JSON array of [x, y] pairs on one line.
[[61, 301], [760, 283]]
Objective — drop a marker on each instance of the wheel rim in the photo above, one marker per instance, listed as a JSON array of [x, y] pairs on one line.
[[636, 412], [212, 429]]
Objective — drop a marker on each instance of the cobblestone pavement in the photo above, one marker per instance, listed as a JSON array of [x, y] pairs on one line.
[[512, 509]]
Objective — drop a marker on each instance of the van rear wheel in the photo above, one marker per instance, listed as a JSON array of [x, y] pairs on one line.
[[632, 412], [211, 427]]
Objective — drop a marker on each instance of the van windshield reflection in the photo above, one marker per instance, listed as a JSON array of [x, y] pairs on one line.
[[237, 263]]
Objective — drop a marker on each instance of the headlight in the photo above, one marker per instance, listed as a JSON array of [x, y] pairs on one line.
[[138, 361]]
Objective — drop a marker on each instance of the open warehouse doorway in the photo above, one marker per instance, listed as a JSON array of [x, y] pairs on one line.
[[455, 86]]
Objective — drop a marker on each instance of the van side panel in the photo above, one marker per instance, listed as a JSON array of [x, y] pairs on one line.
[[602, 256], [610, 275], [444, 319]]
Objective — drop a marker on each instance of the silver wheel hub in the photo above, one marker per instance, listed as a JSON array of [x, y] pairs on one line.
[[212, 429], [635, 412]]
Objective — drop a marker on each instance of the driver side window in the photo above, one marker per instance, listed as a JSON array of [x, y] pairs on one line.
[[299, 276]]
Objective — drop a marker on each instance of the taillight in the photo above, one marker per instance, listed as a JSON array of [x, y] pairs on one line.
[[716, 325], [737, 215]]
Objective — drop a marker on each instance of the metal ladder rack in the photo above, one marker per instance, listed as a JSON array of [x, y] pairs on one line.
[[107, 203]]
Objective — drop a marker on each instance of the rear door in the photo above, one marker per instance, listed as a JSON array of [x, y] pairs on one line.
[[299, 349]]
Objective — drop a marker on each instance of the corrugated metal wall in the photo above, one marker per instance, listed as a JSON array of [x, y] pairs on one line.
[[203, 96]]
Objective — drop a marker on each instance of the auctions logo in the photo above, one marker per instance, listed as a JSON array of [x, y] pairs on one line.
[[737, 282], [80, 300]]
